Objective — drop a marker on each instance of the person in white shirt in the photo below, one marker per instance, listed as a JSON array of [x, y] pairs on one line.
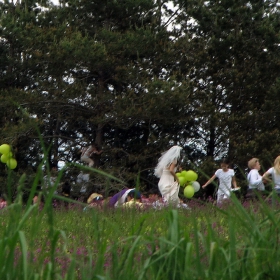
[[82, 181], [255, 180], [226, 178], [274, 173], [50, 179]]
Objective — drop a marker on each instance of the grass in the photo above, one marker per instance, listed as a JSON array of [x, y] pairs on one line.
[[240, 241]]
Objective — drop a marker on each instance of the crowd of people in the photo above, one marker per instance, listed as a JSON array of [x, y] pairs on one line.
[[168, 184]]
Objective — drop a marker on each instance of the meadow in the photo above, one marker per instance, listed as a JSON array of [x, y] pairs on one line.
[[237, 241]]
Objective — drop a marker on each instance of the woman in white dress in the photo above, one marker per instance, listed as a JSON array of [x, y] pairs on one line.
[[166, 170]]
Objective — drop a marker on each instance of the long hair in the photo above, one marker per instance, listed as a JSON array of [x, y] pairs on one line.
[[173, 154], [277, 165]]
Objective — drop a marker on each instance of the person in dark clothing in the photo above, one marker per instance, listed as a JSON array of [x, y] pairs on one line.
[[66, 191]]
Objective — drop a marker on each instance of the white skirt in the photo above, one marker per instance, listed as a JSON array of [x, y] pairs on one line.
[[169, 188]]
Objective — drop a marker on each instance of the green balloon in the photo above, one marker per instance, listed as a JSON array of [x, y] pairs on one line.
[[12, 163], [5, 149], [182, 180], [191, 176], [184, 173], [5, 157], [189, 191]]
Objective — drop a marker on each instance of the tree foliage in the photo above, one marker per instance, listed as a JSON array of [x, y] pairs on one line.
[[135, 77]]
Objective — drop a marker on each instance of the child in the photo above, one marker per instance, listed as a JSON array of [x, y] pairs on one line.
[[3, 202], [226, 178], [118, 198], [66, 191], [255, 180], [95, 200], [133, 200], [274, 172], [38, 197]]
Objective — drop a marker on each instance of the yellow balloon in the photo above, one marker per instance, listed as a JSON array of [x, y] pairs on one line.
[[5, 149], [12, 163]]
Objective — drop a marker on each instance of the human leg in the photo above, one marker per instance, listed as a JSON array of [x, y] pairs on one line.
[[170, 193], [87, 160]]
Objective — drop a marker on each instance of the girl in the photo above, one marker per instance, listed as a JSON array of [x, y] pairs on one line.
[[166, 170], [226, 178], [274, 172]]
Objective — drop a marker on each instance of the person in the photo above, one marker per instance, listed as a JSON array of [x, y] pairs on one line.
[[49, 180], [65, 192], [166, 170], [151, 197], [274, 173], [88, 152], [119, 198], [66, 189], [38, 196], [94, 200], [94, 197], [3, 202], [226, 178], [83, 183], [133, 200], [255, 180]]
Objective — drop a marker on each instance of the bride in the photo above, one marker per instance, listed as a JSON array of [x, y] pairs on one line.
[[166, 171]]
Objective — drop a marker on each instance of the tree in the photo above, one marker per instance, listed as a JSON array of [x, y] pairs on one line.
[[235, 69]]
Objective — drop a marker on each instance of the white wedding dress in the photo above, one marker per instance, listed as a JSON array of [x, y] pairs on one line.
[[169, 188]]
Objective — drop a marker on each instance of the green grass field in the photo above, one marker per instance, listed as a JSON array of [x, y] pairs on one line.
[[236, 242]]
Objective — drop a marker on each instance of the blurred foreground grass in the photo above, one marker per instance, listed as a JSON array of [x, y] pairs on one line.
[[240, 241], [236, 242]]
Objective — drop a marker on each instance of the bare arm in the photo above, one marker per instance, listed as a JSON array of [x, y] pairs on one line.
[[82, 151], [209, 181], [172, 171], [265, 177], [95, 151], [234, 182]]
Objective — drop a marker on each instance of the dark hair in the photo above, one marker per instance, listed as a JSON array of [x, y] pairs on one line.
[[66, 187], [134, 194], [38, 189], [96, 146], [98, 198], [225, 161]]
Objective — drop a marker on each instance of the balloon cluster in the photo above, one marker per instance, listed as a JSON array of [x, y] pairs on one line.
[[7, 156], [187, 179]]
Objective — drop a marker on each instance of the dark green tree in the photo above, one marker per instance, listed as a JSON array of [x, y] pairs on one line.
[[235, 74]]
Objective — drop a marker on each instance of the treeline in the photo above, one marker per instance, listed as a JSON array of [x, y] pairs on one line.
[[137, 76]]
